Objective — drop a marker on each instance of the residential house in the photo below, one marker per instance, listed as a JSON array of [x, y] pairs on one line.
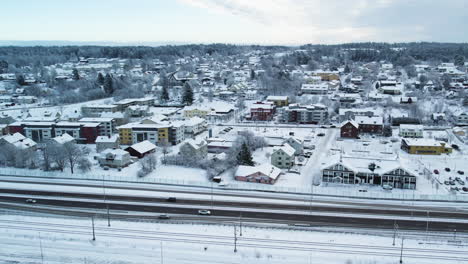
[[18, 141], [321, 88], [296, 143], [194, 148], [278, 101], [114, 158], [370, 125], [349, 129], [411, 131], [283, 157], [264, 173], [63, 139], [195, 125], [107, 142]]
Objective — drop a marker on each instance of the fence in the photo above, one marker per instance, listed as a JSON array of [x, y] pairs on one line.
[[308, 192]]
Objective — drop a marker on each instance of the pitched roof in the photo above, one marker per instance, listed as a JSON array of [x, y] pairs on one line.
[[266, 169], [286, 148], [143, 147]]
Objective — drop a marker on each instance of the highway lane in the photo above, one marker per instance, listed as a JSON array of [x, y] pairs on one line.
[[208, 203], [425, 206], [317, 220]]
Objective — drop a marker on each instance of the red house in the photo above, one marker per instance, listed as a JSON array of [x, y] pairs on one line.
[[349, 129], [262, 111], [370, 125]]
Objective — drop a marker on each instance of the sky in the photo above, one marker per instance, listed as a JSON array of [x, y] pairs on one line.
[[285, 22]]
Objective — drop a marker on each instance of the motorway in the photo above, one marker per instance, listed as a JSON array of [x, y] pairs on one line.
[[315, 214]]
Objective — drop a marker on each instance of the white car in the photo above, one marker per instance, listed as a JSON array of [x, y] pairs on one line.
[[387, 187], [30, 201], [204, 212]]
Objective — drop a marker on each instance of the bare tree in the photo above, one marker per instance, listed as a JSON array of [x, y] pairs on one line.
[[73, 153], [148, 164]]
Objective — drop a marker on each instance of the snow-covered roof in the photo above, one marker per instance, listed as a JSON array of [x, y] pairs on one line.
[[64, 138], [118, 154], [107, 139], [19, 141], [286, 148], [411, 127], [422, 142], [277, 98], [366, 120], [143, 147], [266, 169], [354, 123], [195, 143]]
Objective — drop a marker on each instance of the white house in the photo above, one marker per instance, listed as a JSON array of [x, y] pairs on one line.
[[107, 142], [411, 131], [283, 157], [114, 158]]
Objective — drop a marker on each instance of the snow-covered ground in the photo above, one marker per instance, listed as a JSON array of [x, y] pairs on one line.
[[46, 239]]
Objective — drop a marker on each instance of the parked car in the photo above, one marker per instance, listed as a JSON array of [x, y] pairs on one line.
[[362, 190], [436, 171], [465, 189], [455, 147], [171, 199], [204, 212], [447, 169], [461, 172], [332, 126], [387, 187], [452, 182], [446, 182], [223, 184], [461, 182], [321, 134], [164, 216], [30, 201]]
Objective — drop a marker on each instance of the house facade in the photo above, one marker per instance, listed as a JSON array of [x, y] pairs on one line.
[[349, 129], [265, 173], [283, 157]]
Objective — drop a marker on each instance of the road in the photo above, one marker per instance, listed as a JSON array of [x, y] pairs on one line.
[[311, 172], [315, 215]]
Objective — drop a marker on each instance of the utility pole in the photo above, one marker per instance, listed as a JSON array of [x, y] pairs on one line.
[[401, 252], [395, 228], [92, 221], [235, 239], [240, 224], [161, 256], [40, 246], [211, 194], [427, 226], [108, 215]]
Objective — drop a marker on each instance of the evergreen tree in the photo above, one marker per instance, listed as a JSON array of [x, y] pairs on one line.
[[459, 60], [100, 79], [244, 157], [3, 66], [347, 69], [20, 79], [108, 84], [187, 97], [76, 75], [164, 94], [252, 74]]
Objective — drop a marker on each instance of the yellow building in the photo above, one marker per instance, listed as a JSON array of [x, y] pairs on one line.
[[125, 134], [278, 100], [328, 75], [424, 146], [192, 111]]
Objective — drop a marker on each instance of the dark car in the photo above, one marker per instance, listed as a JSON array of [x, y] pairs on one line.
[[461, 172], [455, 147], [332, 126], [447, 169], [172, 199], [436, 171], [321, 134], [465, 189]]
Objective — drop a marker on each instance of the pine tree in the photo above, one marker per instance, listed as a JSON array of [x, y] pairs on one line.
[[252, 74], [187, 97], [347, 69], [100, 79], [108, 84], [164, 94], [76, 75], [244, 157], [20, 80]]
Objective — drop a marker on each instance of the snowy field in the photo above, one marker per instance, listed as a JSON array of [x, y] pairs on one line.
[[47, 239]]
